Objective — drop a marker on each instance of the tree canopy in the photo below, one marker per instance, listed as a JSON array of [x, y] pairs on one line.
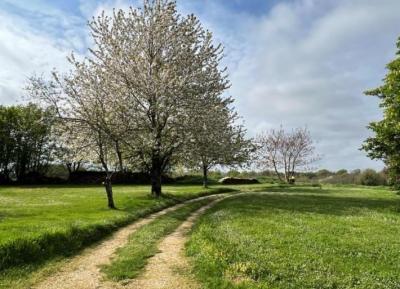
[[150, 87], [26, 143], [385, 144]]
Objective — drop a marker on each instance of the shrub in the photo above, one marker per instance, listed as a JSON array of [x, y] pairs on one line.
[[369, 177]]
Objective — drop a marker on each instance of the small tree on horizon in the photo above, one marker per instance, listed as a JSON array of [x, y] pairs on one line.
[[285, 152], [217, 139]]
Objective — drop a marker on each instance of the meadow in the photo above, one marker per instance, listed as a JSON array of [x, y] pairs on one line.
[[275, 236], [38, 223], [299, 237]]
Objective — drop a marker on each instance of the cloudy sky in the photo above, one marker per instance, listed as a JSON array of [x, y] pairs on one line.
[[291, 62]]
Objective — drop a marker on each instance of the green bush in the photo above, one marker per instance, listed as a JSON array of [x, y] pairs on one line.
[[369, 177]]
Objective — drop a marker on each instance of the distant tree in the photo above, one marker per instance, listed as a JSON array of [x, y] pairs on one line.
[[26, 142], [323, 173], [285, 151], [341, 172], [72, 148], [370, 177], [8, 126], [216, 138], [385, 144]]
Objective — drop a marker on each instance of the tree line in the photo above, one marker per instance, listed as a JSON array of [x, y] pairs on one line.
[[26, 141]]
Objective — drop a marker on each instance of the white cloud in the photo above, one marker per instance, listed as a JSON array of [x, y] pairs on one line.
[[305, 62], [31, 44], [308, 63]]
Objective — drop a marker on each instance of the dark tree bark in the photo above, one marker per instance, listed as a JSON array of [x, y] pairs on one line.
[[205, 176], [72, 168], [119, 155], [107, 181], [156, 172], [69, 167], [108, 187], [277, 172]]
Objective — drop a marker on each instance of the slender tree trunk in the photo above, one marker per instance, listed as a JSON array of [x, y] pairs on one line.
[[286, 174], [276, 172], [156, 177], [119, 154], [286, 168], [205, 176], [109, 191], [77, 166], [69, 168], [287, 171], [6, 173], [107, 181]]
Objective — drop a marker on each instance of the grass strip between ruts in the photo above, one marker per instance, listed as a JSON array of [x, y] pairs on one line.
[[131, 259]]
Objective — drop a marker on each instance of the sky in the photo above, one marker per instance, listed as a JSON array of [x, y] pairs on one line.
[[293, 63]]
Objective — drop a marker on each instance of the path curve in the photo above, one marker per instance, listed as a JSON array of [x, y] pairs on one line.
[[83, 270], [166, 270]]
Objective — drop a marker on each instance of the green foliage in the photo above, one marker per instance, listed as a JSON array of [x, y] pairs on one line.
[[323, 173], [25, 140], [341, 172], [132, 258], [300, 238], [385, 144], [370, 177]]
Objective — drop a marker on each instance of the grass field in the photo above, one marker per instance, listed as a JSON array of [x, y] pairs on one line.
[[41, 222], [335, 237], [39, 226]]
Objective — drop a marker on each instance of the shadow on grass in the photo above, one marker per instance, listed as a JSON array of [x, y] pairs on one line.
[[287, 189], [207, 192], [319, 204]]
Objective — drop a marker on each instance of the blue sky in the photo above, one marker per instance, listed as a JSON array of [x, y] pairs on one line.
[[291, 62]]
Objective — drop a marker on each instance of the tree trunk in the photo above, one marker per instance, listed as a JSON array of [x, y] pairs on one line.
[[277, 172], [205, 176], [108, 187], [119, 155], [287, 173], [69, 168], [107, 182], [156, 177]]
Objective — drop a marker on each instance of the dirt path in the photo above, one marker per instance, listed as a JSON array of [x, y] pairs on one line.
[[83, 272], [167, 269]]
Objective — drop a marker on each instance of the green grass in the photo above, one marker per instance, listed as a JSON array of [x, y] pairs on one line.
[[30, 211], [38, 224], [132, 258], [300, 237]]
